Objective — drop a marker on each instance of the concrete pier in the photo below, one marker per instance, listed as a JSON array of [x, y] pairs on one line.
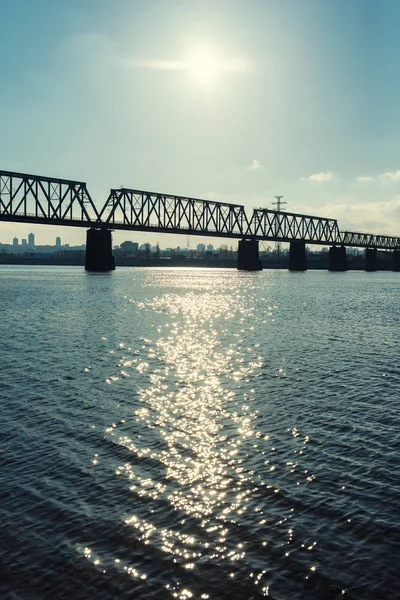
[[396, 259], [371, 259], [99, 250], [248, 256], [297, 256], [337, 258]]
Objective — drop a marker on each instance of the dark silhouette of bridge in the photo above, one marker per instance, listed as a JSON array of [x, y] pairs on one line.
[[51, 201]]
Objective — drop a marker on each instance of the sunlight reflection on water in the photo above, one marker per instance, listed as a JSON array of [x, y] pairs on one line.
[[198, 421]]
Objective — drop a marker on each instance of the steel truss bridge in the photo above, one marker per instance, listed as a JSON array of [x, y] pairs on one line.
[[51, 201]]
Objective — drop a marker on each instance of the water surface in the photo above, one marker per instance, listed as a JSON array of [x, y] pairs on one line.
[[190, 433]]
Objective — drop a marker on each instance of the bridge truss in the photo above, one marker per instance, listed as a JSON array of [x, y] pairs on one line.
[[286, 227], [138, 210], [48, 200], [33, 199], [147, 211], [369, 240]]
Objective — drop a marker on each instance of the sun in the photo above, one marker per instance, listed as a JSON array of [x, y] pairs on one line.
[[206, 66]]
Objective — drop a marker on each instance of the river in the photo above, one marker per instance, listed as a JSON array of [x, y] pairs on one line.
[[199, 433]]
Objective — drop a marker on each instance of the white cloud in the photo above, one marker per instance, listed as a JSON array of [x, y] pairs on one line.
[[324, 176], [255, 165], [364, 178], [387, 177], [320, 177], [390, 176]]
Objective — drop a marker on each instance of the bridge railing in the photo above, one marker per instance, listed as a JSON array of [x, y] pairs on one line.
[[286, 227], [140, 210], [27, 197]]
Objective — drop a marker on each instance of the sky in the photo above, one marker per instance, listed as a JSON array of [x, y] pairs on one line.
[[229, 100]]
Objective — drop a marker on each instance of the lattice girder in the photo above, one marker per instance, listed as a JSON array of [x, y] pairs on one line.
[[370, 240], [29, 198]]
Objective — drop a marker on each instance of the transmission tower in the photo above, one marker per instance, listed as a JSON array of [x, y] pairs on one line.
[[278, 205]]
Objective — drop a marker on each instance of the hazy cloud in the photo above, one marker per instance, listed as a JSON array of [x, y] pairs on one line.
[[159, 65], [321, 177], [232, 65], [390, 176], [209, 195], [254, 166], [368, 217]]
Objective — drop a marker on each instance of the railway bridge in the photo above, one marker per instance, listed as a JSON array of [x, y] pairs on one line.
[[52, 201]]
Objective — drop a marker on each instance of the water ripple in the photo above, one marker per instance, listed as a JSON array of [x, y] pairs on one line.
[[199, 434]]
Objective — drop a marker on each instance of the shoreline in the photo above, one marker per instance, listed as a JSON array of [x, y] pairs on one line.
[[79, 261]]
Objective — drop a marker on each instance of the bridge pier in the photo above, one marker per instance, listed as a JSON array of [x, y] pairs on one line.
[[396, 259], [371, 259], [297, 256], [337, 258], [248, 256], [99, 250]]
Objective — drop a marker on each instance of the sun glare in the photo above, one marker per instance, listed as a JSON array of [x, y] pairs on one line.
[[205, 66]]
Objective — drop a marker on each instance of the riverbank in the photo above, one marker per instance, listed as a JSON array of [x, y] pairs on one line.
[[314, 261]]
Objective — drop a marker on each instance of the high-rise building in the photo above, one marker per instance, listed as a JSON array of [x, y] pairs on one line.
[[24, 242], [31, 239], [129, 246], [15, 241], [58, 242], [210, 247]]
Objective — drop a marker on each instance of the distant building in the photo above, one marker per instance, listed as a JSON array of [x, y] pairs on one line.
[[31, 239], [58, 242], [210, 248], [24, 242], [15, 241], [201, 247], [131, 247]]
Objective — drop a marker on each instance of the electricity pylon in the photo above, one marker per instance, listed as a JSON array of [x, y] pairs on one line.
[[278, 205]]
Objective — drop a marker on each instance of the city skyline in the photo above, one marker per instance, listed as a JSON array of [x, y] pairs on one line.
[[229, 101], [199, 248], [126, 236], [206, 245]]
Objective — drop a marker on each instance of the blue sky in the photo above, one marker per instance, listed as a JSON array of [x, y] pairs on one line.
[[230, 100]]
